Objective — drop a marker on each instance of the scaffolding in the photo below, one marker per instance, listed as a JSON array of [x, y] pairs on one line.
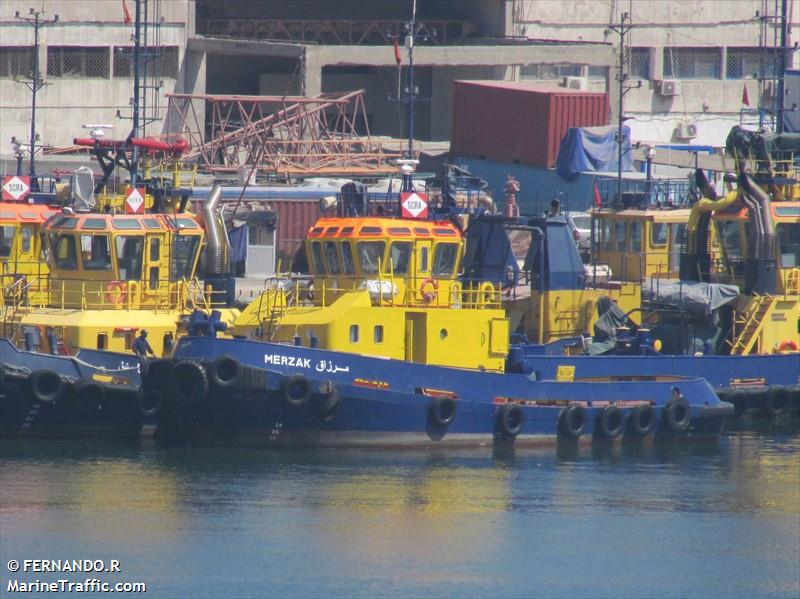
[[282, 135]]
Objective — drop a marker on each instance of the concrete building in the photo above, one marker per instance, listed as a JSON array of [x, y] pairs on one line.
[[711, 49]]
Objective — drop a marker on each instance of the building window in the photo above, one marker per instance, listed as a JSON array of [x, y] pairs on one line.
[[692, 63], [78, 61], [16, 61], [550, 71], [598, 73], [639, 66], [158, 63], [750, 63]]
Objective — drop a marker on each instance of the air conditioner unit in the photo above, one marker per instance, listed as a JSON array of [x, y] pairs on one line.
[[686, 130], [669, 87], [580, 83]]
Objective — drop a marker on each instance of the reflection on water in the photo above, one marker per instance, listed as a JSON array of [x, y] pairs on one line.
[[692, 521]]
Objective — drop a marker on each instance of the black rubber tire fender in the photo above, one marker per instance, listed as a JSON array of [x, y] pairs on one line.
[[150, 402], [641, 420], [442, 411], [677, 415], [225, 372], [330, 404], [776, 402], [189, 381], [44, 386], [296, 390], [610, 422], [510, 419], [89, 396], [572, 421]]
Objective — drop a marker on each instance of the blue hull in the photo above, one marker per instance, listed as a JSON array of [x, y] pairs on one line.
[[73, 411], [389, 402]]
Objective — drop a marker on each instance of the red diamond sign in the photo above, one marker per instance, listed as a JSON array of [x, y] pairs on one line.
[[16, 188], [134, 203], [413, 204]]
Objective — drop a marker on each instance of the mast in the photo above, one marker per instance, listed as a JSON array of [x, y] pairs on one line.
[[408, 164], [782, 60], [137, 45], [622, 76]]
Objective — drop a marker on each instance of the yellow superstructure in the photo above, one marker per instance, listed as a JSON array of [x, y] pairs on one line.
[[385, 287]]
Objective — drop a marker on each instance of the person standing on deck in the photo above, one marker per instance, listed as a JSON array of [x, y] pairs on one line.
[[141, 347]]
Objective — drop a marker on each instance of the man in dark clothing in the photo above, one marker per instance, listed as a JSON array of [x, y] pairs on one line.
[[141, 346]]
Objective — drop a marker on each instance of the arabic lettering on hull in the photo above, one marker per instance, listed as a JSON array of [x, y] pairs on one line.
[[297, 362]]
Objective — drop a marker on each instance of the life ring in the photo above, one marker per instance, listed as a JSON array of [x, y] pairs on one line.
[[486, 294], [296, 390], [44, 386], [442, 411], [677, 414], [189, 381], [776, 402], [787, 345], [225, 372], [572, 421], [641, 420], [610, 423], [429, 290], [510, 419], [89, 397], [116, 292]]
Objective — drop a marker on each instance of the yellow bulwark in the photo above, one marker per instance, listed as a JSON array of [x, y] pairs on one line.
[[385, 287]]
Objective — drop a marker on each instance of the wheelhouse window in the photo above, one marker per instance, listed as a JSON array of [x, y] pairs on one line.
[[399, 257], [95, 252], [184, 250], [130, 250], [730, 240], [636, 236], [619, 235], [444, 259], [332, 258], [64, 251], [348, 267], [659, 234], [6, 240], [788, 245], [370, 254], [316, 258], [26, 239]]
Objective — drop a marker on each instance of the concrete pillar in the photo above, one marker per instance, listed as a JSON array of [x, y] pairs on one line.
[[310, 73]]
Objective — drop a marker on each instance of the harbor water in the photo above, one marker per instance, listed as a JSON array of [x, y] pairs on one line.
[[711, 520]]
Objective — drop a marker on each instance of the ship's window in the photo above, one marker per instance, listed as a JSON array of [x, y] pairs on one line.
[[444, 259], [636, 236], [6, 240], [399, 231], [102, 340], [353, 333], [317, 230], [606, 235], [370, 253], [423, 259], [377, 334], [448, 232], [66, 222], [331, 258], [26, 239], [619, 235], [347, 258], [679, 235], [126, 223], [184, 248], [95, 252], [185, 223], [64, 251], [155, 249], [316, 257], [129, 257], [789, 245], [151, 223], [399, 255], [332, 231], [658, 234], [371, 230], [422, 231], [347, 231], [94, 224]]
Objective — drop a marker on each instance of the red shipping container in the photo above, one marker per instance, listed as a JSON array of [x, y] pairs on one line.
[[294, 219], [517, 122]]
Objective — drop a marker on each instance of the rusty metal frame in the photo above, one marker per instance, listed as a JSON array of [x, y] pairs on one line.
[[286, 135]]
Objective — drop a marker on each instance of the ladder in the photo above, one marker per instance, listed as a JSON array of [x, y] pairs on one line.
[[753, 321]]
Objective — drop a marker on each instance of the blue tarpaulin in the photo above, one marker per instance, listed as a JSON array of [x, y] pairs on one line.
[[592, 149], [238, 237]]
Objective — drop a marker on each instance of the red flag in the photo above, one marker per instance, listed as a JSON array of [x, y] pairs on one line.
[[745, 97], [598, 201], [126, 14], [397, 55]]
